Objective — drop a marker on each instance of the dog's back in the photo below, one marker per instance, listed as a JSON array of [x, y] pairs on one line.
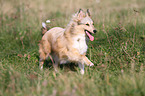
[[53, 33]]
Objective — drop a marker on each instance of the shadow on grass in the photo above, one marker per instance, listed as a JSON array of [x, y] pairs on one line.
[[48, 65]]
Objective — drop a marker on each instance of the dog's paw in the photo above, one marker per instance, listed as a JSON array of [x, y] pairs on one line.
[[82, 72], [56, 70], [41, 68], [91, 64]]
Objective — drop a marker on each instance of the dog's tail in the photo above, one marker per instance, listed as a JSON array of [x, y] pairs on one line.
[[44, 27]]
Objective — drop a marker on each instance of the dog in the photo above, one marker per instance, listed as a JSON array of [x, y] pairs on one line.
[[69, 44]]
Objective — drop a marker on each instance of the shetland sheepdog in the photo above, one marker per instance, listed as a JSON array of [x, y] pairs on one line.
[[65, 45]]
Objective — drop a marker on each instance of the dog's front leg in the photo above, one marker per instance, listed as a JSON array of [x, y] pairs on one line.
[[81, 66], [87, 61]]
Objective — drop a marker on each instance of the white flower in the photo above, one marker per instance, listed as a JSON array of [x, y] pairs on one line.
[[47, 21]]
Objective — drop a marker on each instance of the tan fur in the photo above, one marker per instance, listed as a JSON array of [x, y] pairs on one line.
[[59, 43]]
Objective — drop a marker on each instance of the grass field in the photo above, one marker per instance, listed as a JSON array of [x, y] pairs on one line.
[[118, 51]]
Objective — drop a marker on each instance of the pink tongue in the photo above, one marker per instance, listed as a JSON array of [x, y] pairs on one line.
[[90, 36]]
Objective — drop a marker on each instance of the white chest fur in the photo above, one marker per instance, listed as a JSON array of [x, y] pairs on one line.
[[80, 43]]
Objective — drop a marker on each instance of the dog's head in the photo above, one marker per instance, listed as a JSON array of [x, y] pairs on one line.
[[85, 23]]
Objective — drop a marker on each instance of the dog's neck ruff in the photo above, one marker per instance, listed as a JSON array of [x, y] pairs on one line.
[[79, 42]]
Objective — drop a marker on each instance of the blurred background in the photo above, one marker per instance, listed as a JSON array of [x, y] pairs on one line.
[[61, 10], [118, 51]]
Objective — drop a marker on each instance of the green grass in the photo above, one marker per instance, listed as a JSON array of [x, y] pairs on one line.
[[118, 51]]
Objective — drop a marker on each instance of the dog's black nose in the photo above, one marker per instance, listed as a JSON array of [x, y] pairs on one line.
[[94, 31]]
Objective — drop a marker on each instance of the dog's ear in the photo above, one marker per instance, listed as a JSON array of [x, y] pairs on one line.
[[88, 13], [81, 14], [80, 10]]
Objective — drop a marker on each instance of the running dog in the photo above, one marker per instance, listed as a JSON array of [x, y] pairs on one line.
[[69, 44]]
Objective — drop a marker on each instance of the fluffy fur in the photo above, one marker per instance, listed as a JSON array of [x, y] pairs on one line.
[[69, 44]]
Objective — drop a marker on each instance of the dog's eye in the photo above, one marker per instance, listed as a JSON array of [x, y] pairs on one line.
[[87, 24]]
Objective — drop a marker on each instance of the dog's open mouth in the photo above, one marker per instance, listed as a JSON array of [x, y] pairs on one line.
[[89, 34]]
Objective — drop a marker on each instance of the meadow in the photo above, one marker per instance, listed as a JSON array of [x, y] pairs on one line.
[[118, 51]]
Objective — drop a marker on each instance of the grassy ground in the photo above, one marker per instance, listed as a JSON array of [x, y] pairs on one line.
[[118, 51]]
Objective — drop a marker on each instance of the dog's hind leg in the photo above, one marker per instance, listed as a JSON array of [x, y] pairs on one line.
[[44, 51], [42, 56], [48, 55], [55, 65], [41, 62], [47, 49]]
